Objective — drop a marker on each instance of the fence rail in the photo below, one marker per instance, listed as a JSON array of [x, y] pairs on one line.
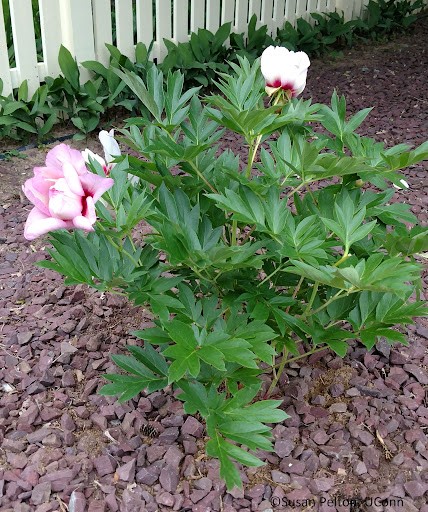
[[84, 26]]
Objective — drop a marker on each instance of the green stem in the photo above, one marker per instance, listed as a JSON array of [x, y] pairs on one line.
[[311, 300], [278, 268], [192, 165], [120, 248], [290, 194], [343, 258], [201, 176], [278, 374], [326, 304], [306, 354], [296, 291], [252, 155], [234, 237]]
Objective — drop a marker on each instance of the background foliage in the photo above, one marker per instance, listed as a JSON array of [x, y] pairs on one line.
[[206, 54]]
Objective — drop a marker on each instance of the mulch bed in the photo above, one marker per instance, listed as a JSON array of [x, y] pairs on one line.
[[358, 426]]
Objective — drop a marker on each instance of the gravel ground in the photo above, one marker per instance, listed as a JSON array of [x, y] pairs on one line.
[[358, 426]]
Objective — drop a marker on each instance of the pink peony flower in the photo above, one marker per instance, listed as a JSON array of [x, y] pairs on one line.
[[284, 69], [63, 192]]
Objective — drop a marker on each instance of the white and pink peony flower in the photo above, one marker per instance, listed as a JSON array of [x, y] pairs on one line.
[[284, 70]]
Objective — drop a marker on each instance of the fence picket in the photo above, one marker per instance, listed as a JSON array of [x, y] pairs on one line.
[[331, 5], [345, 7], [266, 17], [102, 29], [77, 30], [357, 8], [322, 6], [301, 9], [4, 59], [24, 40], [255, 8], [241, 16], [180, 21], [213, 15], [51, 36], [124, 27], [144, 18], [290, 11], [163, 25], [197, 15], [278, 15], [312, 7], [227, 11]]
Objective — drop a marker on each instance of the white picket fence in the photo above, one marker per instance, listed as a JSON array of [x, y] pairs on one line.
[[84, 26]]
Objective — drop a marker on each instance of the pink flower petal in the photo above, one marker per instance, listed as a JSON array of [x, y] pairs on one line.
[[73, 179], [39, 199], [63, 204], [89, 218], [48, 173], [95, 185], [61, 154], [39, 224]]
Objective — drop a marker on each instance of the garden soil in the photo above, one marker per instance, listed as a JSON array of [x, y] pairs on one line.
[[358, 427]]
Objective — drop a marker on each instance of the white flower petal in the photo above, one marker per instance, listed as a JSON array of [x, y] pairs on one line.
[[110, 145], [284, 68]]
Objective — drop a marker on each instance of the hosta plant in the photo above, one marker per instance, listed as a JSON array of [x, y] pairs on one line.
[[254, 260]]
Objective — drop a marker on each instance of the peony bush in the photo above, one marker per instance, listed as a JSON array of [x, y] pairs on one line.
[[251, 263]]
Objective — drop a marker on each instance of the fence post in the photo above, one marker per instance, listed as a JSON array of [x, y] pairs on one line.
[[180, 23], [78, 31], [228, 11], [346, 7], [266, 14], [278, 15], [125, 28], [213, 15], [4, 59], [24, 41], [51, 35], [163, 26], [101, 10], [145, 16]]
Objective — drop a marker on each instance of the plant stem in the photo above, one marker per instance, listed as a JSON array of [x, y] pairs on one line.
[[295, 190], [278, 268], [278, 374], [296, 291], [296, 358], [234, 236], [330, 300], [342, 259], [198, 172], [311, 300], [120, 248], [252, 156]]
